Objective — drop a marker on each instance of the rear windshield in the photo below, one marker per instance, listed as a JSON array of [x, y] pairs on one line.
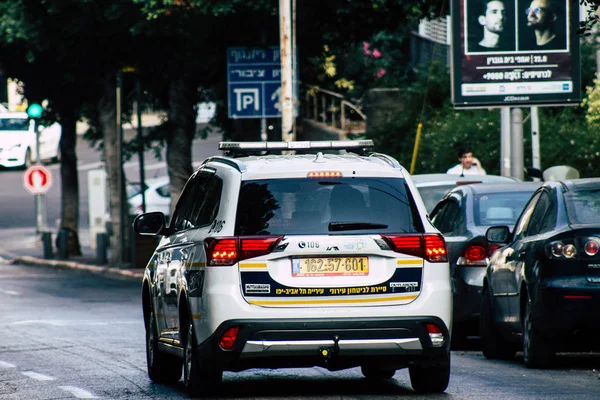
[[499, 208], [583, 206], [324, 207], [431, 195], [14, 124]]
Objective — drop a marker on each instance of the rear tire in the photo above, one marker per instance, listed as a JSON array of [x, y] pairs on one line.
[[162, 368], [537, 351], [199, 380], [493, 345], [377, 373], [430, 379]]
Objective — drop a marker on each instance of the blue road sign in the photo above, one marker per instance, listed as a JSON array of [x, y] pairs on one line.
[[254, 82]]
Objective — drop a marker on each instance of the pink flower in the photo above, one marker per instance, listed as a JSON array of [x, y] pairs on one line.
[[366, 49], [376, 53], [380, 73]]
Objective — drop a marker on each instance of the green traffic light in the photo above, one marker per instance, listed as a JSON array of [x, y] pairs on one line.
[[35, 110]]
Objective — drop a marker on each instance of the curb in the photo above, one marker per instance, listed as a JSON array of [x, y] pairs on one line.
[[28, 260]]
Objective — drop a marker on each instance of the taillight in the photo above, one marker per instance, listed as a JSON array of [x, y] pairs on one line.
[[591, 247], [221, 251], [405, 244], [258, 246], [492, 248], [435, 248], [228, 338], [229, 250], [475, 253], [430, 247], [435, 334], [558, 249]]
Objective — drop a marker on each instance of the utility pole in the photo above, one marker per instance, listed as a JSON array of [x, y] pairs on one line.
[[140, 136], [285, 43], [517, 144], [505, 158], [120, 247], [535, 140]]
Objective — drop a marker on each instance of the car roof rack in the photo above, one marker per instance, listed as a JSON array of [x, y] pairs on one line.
[[237, 149], [389, 159]]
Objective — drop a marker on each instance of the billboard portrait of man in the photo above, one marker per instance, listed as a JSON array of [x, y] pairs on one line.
[[490, 26], [544, 25]]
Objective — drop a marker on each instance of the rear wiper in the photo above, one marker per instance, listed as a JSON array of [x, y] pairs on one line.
[[352, 226]]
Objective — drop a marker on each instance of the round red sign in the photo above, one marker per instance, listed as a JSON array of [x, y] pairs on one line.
[[37, 179]]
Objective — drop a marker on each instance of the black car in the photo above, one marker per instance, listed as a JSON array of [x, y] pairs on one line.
[[463, 217], [541, 291]]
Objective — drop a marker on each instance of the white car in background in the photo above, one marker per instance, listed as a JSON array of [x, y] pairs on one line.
[[158, 196], [18, 141]]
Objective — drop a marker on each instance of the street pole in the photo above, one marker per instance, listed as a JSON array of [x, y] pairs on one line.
[[517, 144], [535, 140], [285, 44], [120, 247], [40, 198], [505, 141], [138, 89]]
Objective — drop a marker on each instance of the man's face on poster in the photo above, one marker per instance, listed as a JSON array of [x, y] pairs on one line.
[[540, 15], [494, 17]]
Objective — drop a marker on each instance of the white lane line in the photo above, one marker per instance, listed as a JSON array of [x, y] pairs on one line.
[[6, 365], [39, 377], [10, 292], [77, 392]]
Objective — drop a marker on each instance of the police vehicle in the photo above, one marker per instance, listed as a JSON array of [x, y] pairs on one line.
[[321, 255]]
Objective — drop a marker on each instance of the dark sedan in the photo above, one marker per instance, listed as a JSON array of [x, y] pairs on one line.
[[463, 217], [542, 289]]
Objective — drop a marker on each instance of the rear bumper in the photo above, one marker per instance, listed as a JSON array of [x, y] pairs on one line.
[[334, 344], [467, 290]]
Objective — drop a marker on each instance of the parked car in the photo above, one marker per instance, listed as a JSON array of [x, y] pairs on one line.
[[541, 291], [463, 216], [433, 187], [157, 196], [18, 140], [297, 260]]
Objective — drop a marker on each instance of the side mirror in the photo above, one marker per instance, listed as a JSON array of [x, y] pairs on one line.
[[534, 172], [149, 224], [498, 234]]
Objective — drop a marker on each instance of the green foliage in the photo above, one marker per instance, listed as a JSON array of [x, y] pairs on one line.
[[566, 136]]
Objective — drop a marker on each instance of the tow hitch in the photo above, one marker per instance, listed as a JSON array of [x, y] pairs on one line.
[[329, 353]]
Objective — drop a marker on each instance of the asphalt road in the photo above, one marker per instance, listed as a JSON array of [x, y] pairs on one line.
[[67, 334], [17, 206]]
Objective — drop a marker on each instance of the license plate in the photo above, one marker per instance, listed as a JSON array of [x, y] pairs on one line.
[[330, 266]]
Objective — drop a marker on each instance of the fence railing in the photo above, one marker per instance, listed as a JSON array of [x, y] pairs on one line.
[[332, 109]]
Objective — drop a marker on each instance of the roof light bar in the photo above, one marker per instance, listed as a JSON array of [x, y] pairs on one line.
[[313, 145]]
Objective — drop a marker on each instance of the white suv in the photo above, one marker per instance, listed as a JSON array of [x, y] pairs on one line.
[[310, 259]]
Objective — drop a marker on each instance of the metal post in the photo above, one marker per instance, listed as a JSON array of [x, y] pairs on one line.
[[505, 141], [138, 90], [120, 246], [517, 144], [263, 130], [287, 106], [40, 199], [101, 246], [47, 243], [63, 244], [535, 140]]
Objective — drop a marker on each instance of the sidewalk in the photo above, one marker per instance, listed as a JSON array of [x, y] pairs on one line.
[[24, 246]]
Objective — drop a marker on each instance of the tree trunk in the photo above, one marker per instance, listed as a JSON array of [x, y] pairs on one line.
[[182, 121], [114, 167], [69, 181]]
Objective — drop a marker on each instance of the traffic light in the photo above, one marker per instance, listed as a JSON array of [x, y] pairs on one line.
[[35, 111]]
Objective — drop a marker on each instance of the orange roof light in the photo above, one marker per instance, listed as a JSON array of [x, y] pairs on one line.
[[325, 174]]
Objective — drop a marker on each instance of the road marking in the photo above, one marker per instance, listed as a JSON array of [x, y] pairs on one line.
[[10, 292], [6, 365], [77, 392], [39, 377]]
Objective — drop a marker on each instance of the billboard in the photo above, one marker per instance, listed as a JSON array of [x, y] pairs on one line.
[[515, 53]]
